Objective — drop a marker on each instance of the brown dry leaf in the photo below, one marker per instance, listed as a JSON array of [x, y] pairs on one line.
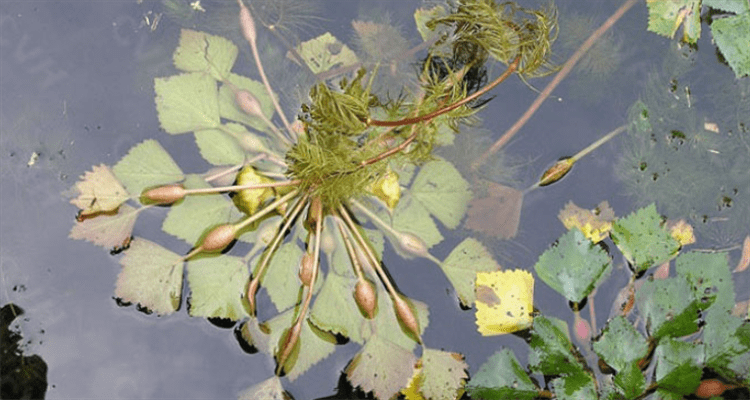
[[111, 231], [498, 214], [99, 191], [745, 257]]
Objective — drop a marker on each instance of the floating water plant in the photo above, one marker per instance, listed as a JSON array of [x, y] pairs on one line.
[[667, 336], [290, 196]]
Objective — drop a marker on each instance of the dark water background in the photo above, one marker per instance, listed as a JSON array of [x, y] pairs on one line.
[[76, 86]]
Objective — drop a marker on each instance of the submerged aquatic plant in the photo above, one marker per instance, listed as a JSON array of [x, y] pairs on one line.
[[301, 189]]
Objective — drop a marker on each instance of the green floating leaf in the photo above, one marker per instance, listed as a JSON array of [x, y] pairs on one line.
[[229, 109], [609, 346], [443, 192], [665, 17], [727, 343], [218, 147], [193, 217], [733, 6], [669, 306], [335, 310], [146, 164], [201, 52], [151, 276], [381, 367], [579, 385], [386, 324], [710, 277], [502, 377], [315, 344], [630, 380], [573, 266], [326, 52], [461, 267], [187, 102], [443, 374], [679, 365], [217, 286], [280, 279], [643, 239], [731, 36], [551, 350]]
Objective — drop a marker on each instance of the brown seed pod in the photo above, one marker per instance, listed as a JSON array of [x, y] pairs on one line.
[[316, 208], [366, 297], [166, 194], [248, 103], [557, 171], [711, 388], [219, 238], [252, 288], [306, 267], [406, 317], [288, 345]]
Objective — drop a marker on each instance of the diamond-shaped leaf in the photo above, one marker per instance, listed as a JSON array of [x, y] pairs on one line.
[[200, 51], [217, 287], [643, 239], [669, 306], [151, 276], [187, 102], [573, 265], [609, 346], [502, 377]]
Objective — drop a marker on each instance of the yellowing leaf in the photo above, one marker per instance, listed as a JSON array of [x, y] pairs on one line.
[[199, 51], [504, 301], [387, 188], [682, 232], [381, 367], [325, 52], [109, 231], [151, 276], [594, 224], [146, 164], [444, 374], [187, 102], [99, 191]]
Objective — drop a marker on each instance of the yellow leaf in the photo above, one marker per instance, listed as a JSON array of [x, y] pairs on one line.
[[99, 191], [249, 200], [594, 224], [504, 301], [413, 391], [682, 232], [386, 188]]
